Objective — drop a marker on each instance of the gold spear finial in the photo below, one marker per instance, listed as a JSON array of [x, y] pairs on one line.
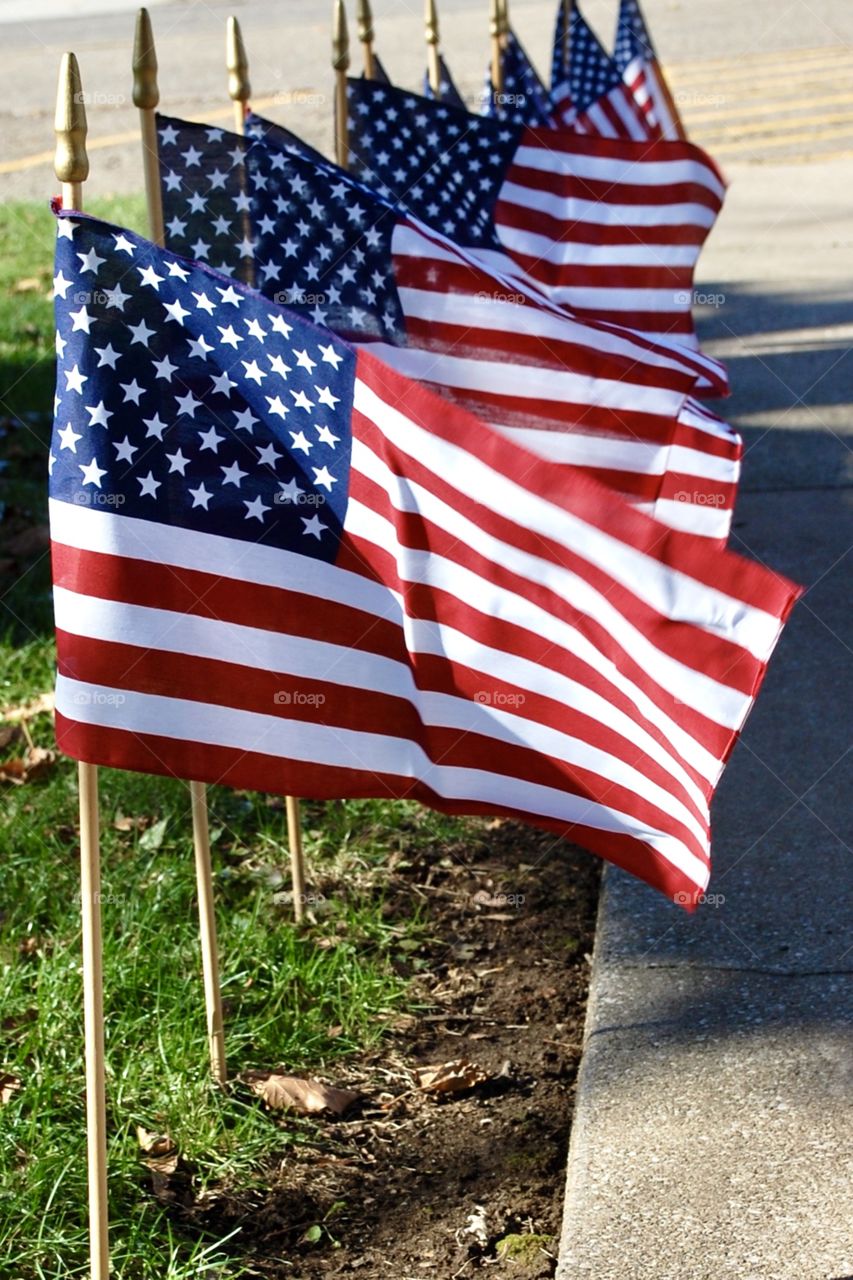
[[146, 92], [503, 20], [71, 164], [364, 17], [431, 19], [495, 18], [239, 88], [340, 38]]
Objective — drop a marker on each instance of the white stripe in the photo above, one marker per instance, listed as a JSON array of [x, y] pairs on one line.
[[572, 208], [580, 450], [572, 253], [716, 521], [171, 632], [599, 120], [666, 590], [613, 170], [350, 749], [124, 536], [622, 107]]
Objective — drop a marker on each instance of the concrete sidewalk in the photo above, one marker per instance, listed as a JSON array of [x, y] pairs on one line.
[[713, 1136]]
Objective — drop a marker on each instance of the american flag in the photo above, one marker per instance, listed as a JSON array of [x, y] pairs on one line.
[[588, 92], [328, 246], [638, 65], [447, 91], [280, 565], [610, 228], [523, 98]]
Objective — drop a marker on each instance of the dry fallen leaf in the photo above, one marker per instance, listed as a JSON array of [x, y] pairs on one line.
[[123, 823], [294, 1093], [29, 284], [16, 715], [8, 1085], [451, 1077], [155, 1145], [9, 733], [35, 764]]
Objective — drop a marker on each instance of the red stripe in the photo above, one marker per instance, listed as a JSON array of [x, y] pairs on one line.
[[254, 771]]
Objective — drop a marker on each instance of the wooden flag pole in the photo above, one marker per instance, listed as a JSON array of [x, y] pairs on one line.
[[364, 17], [433, 62], [496, 33], [340, 62], [239, 88], [567, 35], [146, 96], [71, 166]]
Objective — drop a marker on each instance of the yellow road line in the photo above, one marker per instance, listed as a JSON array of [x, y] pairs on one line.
[[784, 55], [119, 139], [781, 107]]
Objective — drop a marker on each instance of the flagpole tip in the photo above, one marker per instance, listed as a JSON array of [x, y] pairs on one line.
[[71, 163], [431, 20], [364, 17], [340, 38], [146, 93], [239, 88], [494, 18]]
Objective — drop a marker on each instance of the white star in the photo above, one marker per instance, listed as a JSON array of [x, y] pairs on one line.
[[61, 343], [233, 474], [107, 356], [255, 330], [217, 180], [222, 384], [74, 379], [244, 420], [141, 333], [175, 311], [281, 326], [123, 244], [171, 181], [277, 406], [324, 395], [210, 439], [301, 441], [80, 320], [255, 509], [191, 157], [125, 450], [304, 360], [200, 347], [60, 284], [90, 261], [98, 414], [301, 401], [330, 355], [92, 473], [230, 337], [176, 227], [278, 366], [313, 526], [325, 436], [116, 297], [148, 486], [165, 368], [229, 295], [68, 438], [150, 276], [65, 228], [289, 492], [175, 269], [252, 371], [203, 303], [268, 455], [168, 135], [324, 477], [51, 463], [177, 462], [200, 496], [201, 249], [155, 426], [132, 391], [188, 404]]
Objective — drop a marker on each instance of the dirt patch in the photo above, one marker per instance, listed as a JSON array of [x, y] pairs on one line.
[[420, 1184]]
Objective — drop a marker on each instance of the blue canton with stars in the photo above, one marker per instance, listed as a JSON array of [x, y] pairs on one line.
[[592, 73], [316, 239], [447, 91], [186, 400], [524, 98], [632, 36], [445, 166]]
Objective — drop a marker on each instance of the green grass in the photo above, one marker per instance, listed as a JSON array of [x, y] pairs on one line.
[[301, 997]]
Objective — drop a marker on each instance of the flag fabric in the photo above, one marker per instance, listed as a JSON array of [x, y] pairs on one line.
[[610, 228], [447, 91], [380, 75], [635, 57], [327, 246], [523, 98], [280, 565], [588, 90]]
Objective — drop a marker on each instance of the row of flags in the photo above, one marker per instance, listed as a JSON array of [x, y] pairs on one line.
[[399, 479]]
